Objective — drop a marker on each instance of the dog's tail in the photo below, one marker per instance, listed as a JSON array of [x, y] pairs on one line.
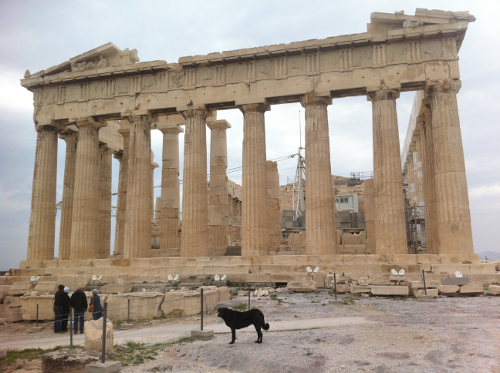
[[265, 326]]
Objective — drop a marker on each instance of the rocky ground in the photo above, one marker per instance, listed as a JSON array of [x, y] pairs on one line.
[[440, 335], [460, 334]]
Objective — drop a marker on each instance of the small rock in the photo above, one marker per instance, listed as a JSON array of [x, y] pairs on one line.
[[122, 347], [165, 367]]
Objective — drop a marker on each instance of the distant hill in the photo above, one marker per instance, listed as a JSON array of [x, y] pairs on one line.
[[492, 255]]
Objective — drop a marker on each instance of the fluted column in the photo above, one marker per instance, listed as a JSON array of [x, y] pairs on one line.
[[194, 240], [454, 232], [42, 227], [254, 222], [218, 207], [68, 192], [84, 224], [170, 192], [273, 204], [369, 217], [321, 228], [390, 223], [104, 225], [121, 205], [428, 179], [137, 239]]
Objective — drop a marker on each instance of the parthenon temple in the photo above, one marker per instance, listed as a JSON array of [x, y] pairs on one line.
[[104, 103]]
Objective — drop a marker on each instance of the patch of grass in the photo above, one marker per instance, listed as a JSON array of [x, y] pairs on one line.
[[27, 354], [192, 277], [138, 353], [348, 300], [399, 298], [241, 306], [274, 297]]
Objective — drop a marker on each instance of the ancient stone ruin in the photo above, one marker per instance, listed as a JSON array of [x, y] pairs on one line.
[[105, 103]]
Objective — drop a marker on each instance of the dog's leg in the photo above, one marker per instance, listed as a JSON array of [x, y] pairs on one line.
[[259, 334], [233, 335]]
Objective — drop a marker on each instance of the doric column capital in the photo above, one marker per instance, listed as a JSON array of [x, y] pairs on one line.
[[118, 155], [171, 130], [141, 119], [52, 127], [219, 125], [194, 113], [103, 148], [258, 107], [68, 136], [383, 94], [312, 99], [444, 86], [89, 122]]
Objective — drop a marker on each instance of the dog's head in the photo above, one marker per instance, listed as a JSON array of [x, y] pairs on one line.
[[222, 312]]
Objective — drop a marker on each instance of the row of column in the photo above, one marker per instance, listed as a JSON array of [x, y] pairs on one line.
[[449, 214]]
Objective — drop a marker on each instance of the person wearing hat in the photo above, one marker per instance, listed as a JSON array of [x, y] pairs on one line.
[[65, 315]]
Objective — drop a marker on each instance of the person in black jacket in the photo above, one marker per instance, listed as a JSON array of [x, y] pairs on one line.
[[79, 304], [65, 316], [59, 302]]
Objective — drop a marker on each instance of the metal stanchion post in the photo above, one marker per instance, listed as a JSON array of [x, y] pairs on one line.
[[201, 309], [128, 311], [335, 284], [103, 359], [70, 326], [37, 315], [423, 278], [248, 296]]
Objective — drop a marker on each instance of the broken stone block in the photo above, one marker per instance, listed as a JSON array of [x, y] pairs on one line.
[[302, 286], [93, 335], [68, 360], [10, 313], [389, 290], [430, 293], [20, 288], [116, 288], [455, 281], [357, 289], [494, 290], [46, 287], [471, 289], [3, 353], [320, 279], [448, 289]]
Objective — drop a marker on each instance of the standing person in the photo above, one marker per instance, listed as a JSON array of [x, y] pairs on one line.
[[79, 304], [65, 316], [58, 308], [96, 301]]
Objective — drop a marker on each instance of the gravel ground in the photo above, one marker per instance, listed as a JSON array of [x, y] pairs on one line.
[[440, 335]]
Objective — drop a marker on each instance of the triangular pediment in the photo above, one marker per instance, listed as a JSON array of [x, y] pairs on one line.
[[107, 55]]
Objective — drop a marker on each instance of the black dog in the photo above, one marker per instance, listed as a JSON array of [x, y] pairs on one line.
[[237, 320]]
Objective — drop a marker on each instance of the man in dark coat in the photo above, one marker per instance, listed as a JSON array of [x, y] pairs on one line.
[[59, 302], [79, 304], [65, 316]]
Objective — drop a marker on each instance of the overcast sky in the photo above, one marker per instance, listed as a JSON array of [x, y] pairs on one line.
[[36, 35]]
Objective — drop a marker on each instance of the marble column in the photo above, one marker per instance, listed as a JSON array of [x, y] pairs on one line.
[[42, 227], [104, 225], [273, 204], [138, 213], [84, 224], [170, 192], [194, 241], [369, 217], [121, 205], [321, 227], [254, 222], [68, 192], [427, 150], [218, 206], [390, 223], [453, 222]]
